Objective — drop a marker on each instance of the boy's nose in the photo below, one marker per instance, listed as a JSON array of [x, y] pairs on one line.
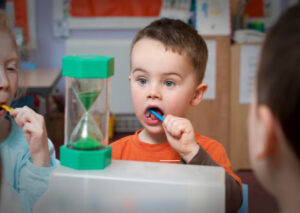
[[154, 92]]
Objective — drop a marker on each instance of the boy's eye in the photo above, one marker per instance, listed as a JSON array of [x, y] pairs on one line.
[[169, 83], [142, 80]]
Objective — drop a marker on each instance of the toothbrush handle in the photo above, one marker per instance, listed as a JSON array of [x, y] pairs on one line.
[[7, 108], [161, 118]]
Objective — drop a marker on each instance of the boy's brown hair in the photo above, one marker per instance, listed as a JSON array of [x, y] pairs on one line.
[[179, 37], [278, 80]]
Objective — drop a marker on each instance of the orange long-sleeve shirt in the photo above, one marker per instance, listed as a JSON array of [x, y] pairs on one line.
[[131, 148]]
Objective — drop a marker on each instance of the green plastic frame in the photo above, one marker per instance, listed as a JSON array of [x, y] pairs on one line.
[[85, 159]]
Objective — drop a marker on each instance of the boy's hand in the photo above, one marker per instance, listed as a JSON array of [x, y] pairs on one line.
[[34, 127], [181, 136]]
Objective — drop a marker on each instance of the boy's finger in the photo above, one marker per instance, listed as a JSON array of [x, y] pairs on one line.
[[177, 130], [165, 127], [170, 131], [171, 123], [167, 118]]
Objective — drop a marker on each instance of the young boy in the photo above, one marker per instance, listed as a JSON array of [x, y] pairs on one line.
[[274, 139], [168, 60]]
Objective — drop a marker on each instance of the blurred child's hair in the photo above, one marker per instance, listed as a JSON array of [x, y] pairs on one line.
[[4, 26], [278, 80], [179, 37], [3, 20]]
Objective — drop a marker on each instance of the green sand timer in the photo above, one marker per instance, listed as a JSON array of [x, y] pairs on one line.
[[87, 111]]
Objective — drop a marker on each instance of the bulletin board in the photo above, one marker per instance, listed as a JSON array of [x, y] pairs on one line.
[[212, 17], [102, 14], [239, 109], [211, 117], [22, 14], [114, 14], [115, 8]]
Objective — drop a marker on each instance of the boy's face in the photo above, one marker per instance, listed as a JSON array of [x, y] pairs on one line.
[[8, 71], [253, 129], [162, 80], [260, 141]]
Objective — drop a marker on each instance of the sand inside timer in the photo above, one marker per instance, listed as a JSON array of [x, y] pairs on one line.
[[86, 134]]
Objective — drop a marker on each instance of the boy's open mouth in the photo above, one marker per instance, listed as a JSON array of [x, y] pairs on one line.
[[149, 115]]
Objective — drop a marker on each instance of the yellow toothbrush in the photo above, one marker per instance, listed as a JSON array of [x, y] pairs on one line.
[[7, 108]]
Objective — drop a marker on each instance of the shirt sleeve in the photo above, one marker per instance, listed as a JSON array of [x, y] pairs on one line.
[[34, 180], [233, 189]]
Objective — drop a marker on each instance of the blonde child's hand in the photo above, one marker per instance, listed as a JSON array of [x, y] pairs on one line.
[[34, 127], [181, 136]]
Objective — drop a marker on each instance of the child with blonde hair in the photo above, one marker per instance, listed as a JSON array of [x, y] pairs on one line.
[[27, 155]]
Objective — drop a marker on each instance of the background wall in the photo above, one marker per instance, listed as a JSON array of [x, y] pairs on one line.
[[50, 50]]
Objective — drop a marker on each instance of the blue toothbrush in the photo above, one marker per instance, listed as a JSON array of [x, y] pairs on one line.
[[161, 118]]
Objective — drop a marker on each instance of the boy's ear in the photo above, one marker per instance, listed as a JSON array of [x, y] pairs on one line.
[[268, 128], [198, 95], [129, 77]]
